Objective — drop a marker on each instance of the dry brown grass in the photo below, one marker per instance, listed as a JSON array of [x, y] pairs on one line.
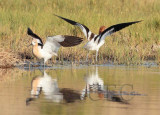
[[8, 58]]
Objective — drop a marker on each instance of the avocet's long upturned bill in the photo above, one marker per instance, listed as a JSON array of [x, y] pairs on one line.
[[96, 41], [52, 45]]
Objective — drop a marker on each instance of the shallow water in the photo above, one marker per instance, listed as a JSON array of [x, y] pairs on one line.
[[83, 90]]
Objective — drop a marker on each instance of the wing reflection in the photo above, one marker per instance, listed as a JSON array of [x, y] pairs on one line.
[[70, 95]]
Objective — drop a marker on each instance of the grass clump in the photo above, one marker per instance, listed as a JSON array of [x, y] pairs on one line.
[[8, 58]]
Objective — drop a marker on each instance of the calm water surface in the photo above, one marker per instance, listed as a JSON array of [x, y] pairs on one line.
[[85, 90]]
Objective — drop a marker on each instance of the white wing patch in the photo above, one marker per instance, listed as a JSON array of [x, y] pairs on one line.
[[83, 30], [52, 46], [38, 41], [57, 38], [108, 33]]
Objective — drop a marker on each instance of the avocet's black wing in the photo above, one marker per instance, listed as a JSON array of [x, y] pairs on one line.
[[89, 35], [30, 32], [114, 29]]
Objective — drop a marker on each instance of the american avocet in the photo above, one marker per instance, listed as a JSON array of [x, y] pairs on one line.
[[52, 45], [96, 41]]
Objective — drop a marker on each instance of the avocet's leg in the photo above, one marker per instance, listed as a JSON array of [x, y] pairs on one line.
[[96, 55], [87, 55]]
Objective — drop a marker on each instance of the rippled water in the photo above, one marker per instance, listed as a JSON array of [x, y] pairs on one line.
[[83, 90]]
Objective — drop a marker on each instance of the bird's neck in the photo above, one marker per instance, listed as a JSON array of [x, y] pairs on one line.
[[36, 51]]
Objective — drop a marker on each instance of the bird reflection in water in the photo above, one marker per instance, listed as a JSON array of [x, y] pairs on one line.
[[93, 84], [95, 89], [49, 87]]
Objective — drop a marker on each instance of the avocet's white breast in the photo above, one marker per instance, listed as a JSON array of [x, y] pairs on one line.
[[94, 45]]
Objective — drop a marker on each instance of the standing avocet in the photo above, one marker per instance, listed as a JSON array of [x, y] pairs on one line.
[[52, 45], [96, 41]]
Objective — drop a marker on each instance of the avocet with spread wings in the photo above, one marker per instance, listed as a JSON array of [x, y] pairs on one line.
[[96, 41]]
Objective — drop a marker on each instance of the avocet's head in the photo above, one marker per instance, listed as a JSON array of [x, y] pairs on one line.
[[101, 29], [34, 42]]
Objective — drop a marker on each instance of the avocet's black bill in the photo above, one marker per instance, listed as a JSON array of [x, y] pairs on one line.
[[115, 28], [84, 28], [30, 32], [70, 41]]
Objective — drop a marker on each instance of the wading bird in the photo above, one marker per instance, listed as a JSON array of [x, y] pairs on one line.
[[96, 41], [52, 45]]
